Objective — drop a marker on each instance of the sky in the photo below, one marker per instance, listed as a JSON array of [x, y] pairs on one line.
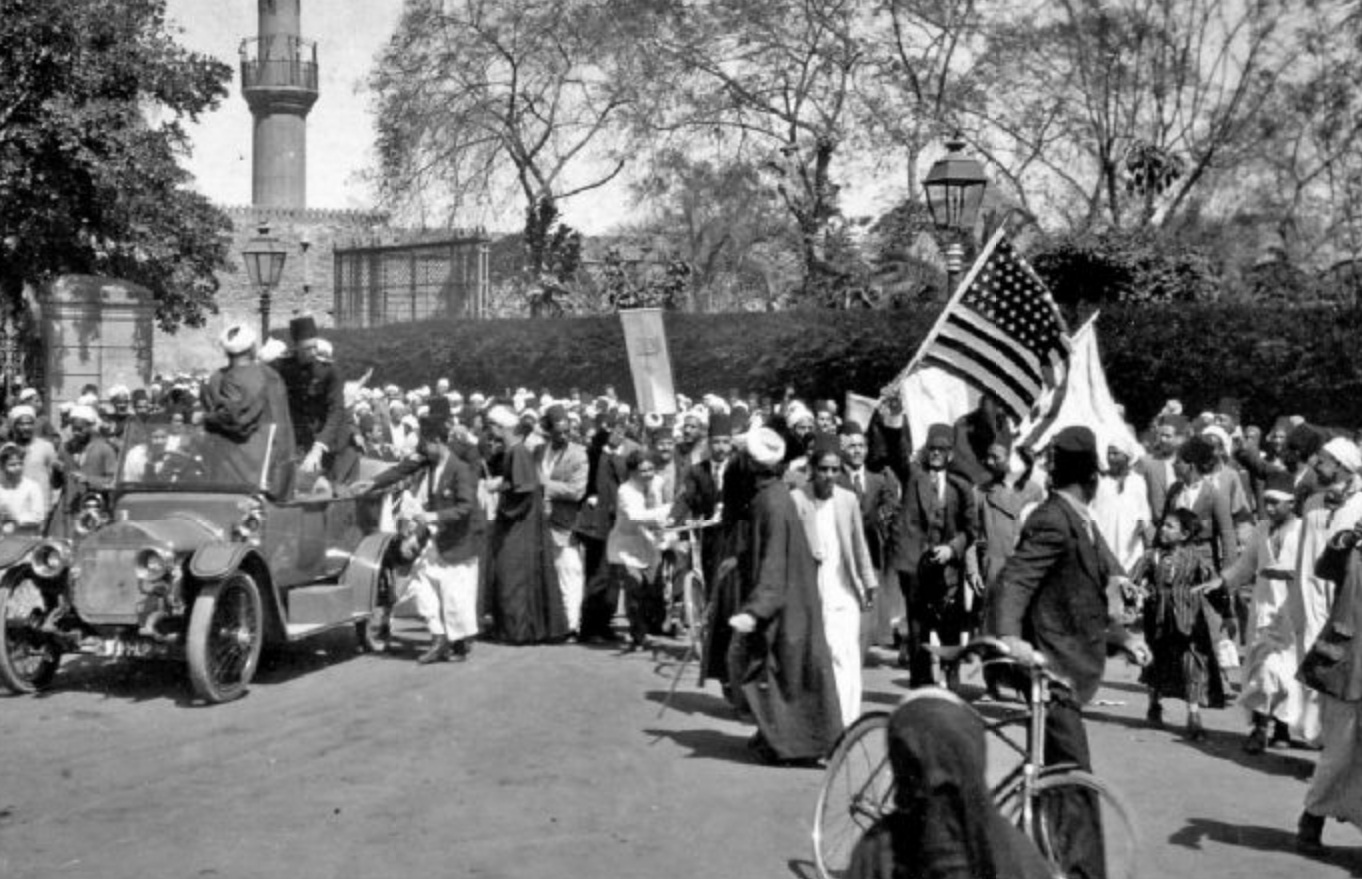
[[340, 129], [340, 132]]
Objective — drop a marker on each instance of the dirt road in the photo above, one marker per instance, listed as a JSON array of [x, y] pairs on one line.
[[524, 762]]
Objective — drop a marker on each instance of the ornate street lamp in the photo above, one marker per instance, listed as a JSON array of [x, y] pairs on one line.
[[264, 256], [955, 187]]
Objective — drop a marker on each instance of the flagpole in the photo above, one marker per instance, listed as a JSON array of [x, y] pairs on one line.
[[935, 331]]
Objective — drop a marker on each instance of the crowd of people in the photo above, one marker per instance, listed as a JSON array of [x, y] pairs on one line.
[[530, 517]]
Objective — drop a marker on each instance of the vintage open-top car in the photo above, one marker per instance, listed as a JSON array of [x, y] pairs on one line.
[[203, 554]]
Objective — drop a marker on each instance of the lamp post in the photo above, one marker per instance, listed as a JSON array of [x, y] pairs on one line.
[[955, 187], [264, 256]]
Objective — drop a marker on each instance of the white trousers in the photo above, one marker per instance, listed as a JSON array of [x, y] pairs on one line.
[[842, 631], [568, 565], [446, 594]]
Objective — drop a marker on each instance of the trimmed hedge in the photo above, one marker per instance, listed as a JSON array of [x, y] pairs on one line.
[[1273, 360]]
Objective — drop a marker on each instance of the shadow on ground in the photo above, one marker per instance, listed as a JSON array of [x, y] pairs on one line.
[[1265, 839]]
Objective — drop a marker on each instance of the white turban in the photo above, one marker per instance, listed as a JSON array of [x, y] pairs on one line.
[[272, 350], [22, 411], [503, 417], [84, 412], [28, 394], [765, 446], [652, 421], [623, 410], [324, 351], [237, 339], [797, 413], [118, 391], [1219, 433], [716, 403], [1346, 453]]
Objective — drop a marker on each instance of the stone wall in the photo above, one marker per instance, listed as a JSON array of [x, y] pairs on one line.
[[306, 286]]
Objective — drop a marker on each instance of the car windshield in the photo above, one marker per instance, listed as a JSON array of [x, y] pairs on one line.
[[163, 455]]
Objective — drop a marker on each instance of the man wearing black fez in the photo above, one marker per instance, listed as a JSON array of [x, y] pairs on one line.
[[316, 398], [934, 526], [1052, 597], [702, 491]]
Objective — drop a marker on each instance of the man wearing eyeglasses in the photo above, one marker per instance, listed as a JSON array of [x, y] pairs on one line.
[[935, 523]]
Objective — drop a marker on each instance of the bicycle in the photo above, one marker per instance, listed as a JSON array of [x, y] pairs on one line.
[[858, 784], [693, 604]]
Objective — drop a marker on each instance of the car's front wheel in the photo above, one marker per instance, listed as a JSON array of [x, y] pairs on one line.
[[226, 633], [29, 657]]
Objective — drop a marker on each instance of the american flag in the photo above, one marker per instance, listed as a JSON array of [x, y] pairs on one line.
[[1004, 333]]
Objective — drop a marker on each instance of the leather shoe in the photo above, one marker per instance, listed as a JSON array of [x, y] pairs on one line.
[[440, 651], [1310, 834]]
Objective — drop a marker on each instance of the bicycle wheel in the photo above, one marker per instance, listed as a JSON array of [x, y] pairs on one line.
[[1064, 801], [857, 790]]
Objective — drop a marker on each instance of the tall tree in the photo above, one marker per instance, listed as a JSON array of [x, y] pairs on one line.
[[475, 96], [1153, 101], [772, 83], [93, 96]]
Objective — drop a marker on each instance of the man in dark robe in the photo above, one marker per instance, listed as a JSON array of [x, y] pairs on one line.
[[523, 598], [239, 400], [322, 428], [781, 664]]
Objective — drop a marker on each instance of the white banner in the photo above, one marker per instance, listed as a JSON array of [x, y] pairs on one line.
[[645, 338], [859, 409]]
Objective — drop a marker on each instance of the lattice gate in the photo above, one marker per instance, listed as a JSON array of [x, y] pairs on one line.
[[400, 283]]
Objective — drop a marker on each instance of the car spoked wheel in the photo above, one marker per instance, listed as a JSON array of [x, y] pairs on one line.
[[28, 657], [226, 633]]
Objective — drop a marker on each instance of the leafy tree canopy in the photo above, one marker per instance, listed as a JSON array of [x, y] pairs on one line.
[[93, 96]]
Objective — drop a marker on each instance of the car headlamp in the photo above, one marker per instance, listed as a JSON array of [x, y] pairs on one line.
[[50, 559], [154, 563]]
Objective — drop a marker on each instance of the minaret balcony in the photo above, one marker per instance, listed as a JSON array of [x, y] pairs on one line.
[[280, 74]]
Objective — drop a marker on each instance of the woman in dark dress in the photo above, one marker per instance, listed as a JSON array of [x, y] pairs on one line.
[[523, 600], [944, 824]]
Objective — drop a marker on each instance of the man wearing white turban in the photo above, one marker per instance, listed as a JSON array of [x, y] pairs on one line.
[[780, 665], [88, 462], [1333, 510], [244, 397]]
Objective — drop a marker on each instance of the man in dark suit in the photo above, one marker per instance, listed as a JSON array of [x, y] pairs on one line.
[[934, 526], [699, 497], [1055, 595], [597, 518], [322, 428]]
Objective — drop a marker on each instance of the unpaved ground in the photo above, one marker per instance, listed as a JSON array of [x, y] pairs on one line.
[[525, 762]]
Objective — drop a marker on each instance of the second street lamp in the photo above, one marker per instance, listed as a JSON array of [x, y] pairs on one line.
[[264, 256], [955, 187]]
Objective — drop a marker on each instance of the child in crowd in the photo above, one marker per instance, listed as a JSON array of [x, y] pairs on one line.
[[1178, 623]]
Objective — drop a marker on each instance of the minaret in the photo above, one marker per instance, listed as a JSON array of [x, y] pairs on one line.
[[280, 85]]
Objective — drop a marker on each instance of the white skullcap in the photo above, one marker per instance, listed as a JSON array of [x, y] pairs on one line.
[[1219, 433], [28, 394], [22, 411], [797, 413], [392, 391], [90, 400], [237, 339], [119, 391], [455, 397], [765, 446], [1345, 452], [272, 350], [476, 399], [84, 412], [503, 417]]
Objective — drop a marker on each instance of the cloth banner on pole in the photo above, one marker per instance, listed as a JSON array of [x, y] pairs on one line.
[[859, 409], [1083, 398], [932, 395], [645, 338]]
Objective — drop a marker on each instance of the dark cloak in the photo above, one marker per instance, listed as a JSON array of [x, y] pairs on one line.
[[522, 588], [944, 824], [783, 668]]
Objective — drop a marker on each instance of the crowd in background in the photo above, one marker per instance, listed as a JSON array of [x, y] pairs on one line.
[[556, 509]]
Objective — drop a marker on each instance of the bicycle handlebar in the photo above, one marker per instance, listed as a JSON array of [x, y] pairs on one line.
[[989, 649]]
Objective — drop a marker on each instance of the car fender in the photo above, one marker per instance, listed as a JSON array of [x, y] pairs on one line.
[[15, 549], [216, 560], [361, 574]]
